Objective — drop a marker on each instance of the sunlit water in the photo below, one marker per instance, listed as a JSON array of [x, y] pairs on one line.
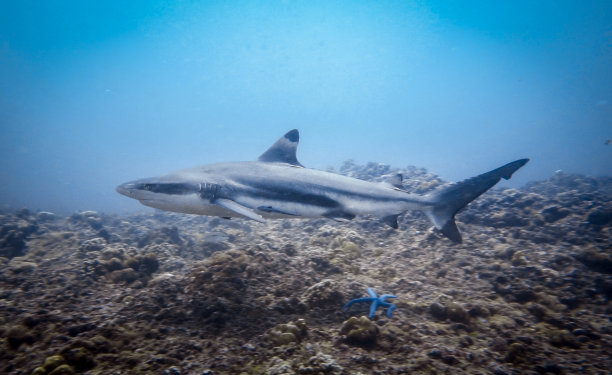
[[95, 94]]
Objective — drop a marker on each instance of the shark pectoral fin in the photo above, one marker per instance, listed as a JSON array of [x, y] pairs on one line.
[[339, 215], [239, 209], [391, 221]]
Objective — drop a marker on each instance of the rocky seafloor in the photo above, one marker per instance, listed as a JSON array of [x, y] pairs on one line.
[[527, 292]]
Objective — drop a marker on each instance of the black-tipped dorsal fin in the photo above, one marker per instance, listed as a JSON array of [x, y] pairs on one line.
[[283, 151]]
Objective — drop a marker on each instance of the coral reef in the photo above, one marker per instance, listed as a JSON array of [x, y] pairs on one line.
[[527, 292]]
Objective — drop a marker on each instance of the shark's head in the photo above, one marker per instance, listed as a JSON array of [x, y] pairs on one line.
[[166, 192], [151, 188], [185, 191]]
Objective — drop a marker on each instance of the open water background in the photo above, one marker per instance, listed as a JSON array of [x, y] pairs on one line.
[[93, 94]]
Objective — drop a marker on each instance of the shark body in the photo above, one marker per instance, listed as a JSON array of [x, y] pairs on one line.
[[278, 186]]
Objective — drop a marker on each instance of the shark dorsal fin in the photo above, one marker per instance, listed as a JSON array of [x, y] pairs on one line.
[[283, 151]]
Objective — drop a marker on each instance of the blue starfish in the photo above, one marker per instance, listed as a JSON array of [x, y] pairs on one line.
[[376, 301]]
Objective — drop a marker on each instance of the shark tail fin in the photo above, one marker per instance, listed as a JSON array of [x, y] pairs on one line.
[[449, 199]]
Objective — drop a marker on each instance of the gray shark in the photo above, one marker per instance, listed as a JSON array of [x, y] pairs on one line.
[[278, 186]]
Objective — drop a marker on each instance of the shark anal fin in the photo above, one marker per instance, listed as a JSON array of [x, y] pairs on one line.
[[239, 209], [391, 221], [284, 150], [451, 231]]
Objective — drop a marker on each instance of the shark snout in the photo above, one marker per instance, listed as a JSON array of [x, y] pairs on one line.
[[126, 189]]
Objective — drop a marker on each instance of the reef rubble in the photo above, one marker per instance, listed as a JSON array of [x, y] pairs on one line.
[[527, 292]]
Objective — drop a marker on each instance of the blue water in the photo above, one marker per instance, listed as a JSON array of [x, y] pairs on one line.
[[93, 94]]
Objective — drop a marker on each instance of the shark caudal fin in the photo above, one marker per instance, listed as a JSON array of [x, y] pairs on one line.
[[448, 200]]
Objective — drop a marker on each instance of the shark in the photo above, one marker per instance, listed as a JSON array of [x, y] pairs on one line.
[[277, 185]]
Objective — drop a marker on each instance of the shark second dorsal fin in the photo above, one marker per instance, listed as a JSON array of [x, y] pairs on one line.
[[283, 151], [396, 180]]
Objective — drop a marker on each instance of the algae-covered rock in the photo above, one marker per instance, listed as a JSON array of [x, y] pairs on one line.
[[160, 235], [289, 249], [39, 371], [596, 260], [438, 310], [502, 322], [53, 362], [17, 335], [278, 366], [80, 358], [516, 353], [22, 266], [320, 363], [441, 310], [538, 311], [224, 273], [146, 264], [94, 244], [324, 294], [600, 216], [351, 249], [120, 264], [562, 337], [288, 333], [519, 259], [359, 331], [126, 275], [457, 313], [479, 311], [112, 264], [63, 370], [13, 236], [554, 213]]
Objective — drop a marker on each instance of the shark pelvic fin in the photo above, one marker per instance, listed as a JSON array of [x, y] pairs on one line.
[[284, 150], [339, 215], [239, 209]]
